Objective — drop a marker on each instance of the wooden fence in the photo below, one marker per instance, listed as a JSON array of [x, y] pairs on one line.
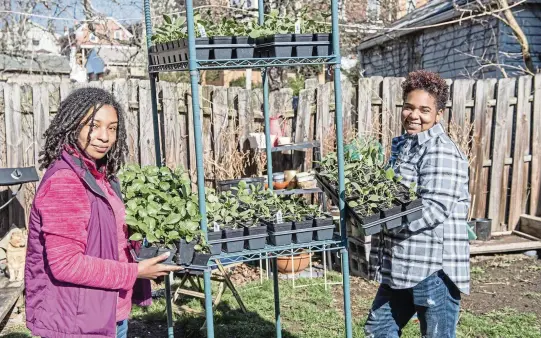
[[505, 114]]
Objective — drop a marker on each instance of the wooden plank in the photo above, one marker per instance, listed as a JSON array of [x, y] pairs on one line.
[[506, 89], [484, 91], [377, 106], [27, 128], [245, 117], [65, 89], [324, 120], [191, 140], [365, 119], [4, 195], [530, 225], [302, 123], [462, 91], [41, 105], [122, 90], [14, 141], [501, 248], [220, 119], [172, 133], [535, 200], [348, 93], [54, 96], [521, 145], [205, 100], [8, 298], [391, 123], [182, 95], [146, 126]]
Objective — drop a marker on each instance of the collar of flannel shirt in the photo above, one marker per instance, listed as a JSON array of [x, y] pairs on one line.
[[426, 135]]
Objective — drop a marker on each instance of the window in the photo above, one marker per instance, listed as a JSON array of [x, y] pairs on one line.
[[93, 38], [118, 35], [35, 42], [373, 10]]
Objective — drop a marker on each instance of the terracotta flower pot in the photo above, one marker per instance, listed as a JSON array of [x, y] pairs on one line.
[[300, 263]]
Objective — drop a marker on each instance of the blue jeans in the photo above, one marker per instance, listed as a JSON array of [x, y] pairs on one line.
[[122, 329], [436, 301]]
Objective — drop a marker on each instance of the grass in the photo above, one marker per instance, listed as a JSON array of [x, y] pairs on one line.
[[309, 312]]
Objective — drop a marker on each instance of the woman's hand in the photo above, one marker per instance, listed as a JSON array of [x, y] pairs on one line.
[[152, 269]]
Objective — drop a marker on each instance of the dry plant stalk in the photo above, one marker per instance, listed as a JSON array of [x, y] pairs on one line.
[[463, 138], [232, 161]]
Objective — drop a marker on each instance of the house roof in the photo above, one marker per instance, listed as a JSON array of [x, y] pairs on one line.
[[121, 55], [103, 21], [432, 13], [40, 63]]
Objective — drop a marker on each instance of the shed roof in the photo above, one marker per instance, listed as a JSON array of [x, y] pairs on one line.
[[434, 12], [41, 63]]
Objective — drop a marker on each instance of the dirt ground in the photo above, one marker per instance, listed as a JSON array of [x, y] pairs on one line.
[[512, 281]]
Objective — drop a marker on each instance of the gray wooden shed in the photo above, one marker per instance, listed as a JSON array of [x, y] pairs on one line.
[[464, 49]]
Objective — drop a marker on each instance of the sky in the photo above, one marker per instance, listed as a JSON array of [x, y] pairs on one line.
[[127, 11]]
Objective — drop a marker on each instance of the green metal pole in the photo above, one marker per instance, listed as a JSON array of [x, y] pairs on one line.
[[276, 298], [194, 78], [266, 113], [154, 99], [340, 155], [157, 150]]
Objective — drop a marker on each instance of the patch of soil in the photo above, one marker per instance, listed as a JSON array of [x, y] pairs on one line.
[[505, 281], [512, 281]]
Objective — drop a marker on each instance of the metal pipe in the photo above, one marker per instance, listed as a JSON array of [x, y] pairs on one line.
[[266, 113], [168, 302], [194, 79], [154, 98], [340, 155], [261, 12], [276, 298], [208, 303], [345, 285]]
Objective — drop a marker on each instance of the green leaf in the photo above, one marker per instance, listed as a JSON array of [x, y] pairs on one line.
[[173, 219], [192, 208], [389, 174], [151, 238], [136, 237]]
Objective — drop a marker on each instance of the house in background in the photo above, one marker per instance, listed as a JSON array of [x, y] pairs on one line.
[[111, 42], [470, 48], [41, 40]]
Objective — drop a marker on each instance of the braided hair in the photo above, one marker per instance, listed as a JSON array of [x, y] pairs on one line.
[[70, 120]]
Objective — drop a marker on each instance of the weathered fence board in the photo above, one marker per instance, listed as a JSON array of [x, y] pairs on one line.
[[535, 200], [505, 172]]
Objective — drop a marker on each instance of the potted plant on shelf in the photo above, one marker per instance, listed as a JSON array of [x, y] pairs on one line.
[[161, 210]]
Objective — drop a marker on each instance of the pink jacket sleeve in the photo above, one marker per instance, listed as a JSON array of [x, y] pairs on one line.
[[65, 212]]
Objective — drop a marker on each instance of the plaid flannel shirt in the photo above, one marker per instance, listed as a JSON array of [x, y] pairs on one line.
[[439, 240]]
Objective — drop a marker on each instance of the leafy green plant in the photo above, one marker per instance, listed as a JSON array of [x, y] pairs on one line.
[[316, 24], [161, 206], [297, 84], [172, 29]]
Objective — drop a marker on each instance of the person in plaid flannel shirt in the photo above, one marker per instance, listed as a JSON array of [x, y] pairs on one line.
[[423, 267]]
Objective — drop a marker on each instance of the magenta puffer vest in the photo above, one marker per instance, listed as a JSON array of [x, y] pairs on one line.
[[56, 309]]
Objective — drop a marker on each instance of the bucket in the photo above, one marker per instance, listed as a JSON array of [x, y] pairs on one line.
[[483, 228]]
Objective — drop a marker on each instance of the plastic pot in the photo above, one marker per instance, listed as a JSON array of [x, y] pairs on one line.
[[285, 235], [256, 243], [202, 53], [146, 253], [169, 259], [483, 228], [222, 53], [215, 249], [323, 50], [303, 237], [280, 51], [228, 184], [304, 50], [201, 259], [412, 205], [235, 240], [244, 52], [394, 223], [185, 251]]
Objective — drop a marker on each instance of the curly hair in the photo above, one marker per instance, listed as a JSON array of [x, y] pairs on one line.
[[429, 82], [70, 120]]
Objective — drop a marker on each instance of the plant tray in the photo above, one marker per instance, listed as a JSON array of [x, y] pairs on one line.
[[255, 243], [301, 236], [280, 234], [234, 240], [177, 51], [215, 247], [285, 49], [369, 226], [168, 261]]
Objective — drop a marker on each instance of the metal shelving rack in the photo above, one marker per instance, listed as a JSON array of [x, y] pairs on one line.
[[193, 66]]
